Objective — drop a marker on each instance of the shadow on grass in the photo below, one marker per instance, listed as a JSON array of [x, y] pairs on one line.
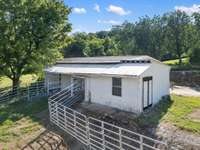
[[22, 114], [17, 113], [152, 117], [15, 110]]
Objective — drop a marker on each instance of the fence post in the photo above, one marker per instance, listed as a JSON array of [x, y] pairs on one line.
[[75, 123], [120, 138], [65, 115], [28, 92], [57, 119], [47, 88], [72, 89], [50, 111], [141, 142], [103, 137], [88, 133], [37, 89]]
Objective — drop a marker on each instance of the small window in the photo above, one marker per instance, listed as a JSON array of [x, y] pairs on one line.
[[116, 86]]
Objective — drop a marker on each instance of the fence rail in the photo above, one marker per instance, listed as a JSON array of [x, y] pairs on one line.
[[35, 89], [94, 133]]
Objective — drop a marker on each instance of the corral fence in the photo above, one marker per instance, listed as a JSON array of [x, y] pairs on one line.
[[94, 133], [97, 134], [36, 89]]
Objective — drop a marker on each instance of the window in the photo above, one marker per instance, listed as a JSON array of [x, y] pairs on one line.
[[116, 86]]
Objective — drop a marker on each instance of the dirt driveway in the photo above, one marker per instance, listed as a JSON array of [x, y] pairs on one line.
[[185, 91]]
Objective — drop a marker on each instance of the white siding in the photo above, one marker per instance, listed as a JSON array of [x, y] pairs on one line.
[[65, 80], [99, 88], [101, 92], [52, 77], [161, 81]]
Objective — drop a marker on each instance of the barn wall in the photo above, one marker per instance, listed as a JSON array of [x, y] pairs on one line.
[[161, 80], [52, 77], [65, 80], [101, 92]]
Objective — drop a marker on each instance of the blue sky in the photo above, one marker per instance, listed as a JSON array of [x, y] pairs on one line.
[[96, 15]]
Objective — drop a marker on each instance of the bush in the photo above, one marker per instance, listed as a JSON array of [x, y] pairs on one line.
[[195, 56]]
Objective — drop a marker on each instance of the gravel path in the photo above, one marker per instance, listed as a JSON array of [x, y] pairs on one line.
[[185, 91]]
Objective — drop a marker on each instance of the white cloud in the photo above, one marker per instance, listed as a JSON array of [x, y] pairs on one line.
[[97, 7], [107, 29], [189, 10], [80, 28], [118, 10], [112, 22], [79, 10]]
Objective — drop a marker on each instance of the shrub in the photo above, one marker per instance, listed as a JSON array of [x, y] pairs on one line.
[[195, 56]]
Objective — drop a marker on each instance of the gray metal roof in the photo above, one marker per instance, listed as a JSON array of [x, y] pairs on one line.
[[102, 60], [131, 70]]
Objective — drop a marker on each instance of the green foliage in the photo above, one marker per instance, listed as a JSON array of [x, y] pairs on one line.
[[31, 34], [176, 30], [83, 44], [195, 56], [94, 47], [170, 36]]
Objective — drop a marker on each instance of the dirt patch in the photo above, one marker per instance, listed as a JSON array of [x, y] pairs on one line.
[[180, 139], [195, 116], [46, 140], [109, 114], [174, 136]]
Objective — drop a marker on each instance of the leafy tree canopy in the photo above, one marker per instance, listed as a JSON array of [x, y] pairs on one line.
[[31, 33]]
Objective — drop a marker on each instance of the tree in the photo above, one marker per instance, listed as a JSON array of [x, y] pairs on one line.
[[76, 46], [124, 37], [31, 32], [195, 48], [195, 56], [110, 47], [94, 47], [157, 37], [176, 24]]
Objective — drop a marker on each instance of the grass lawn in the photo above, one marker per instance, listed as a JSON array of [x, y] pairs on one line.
[[186, 65], [19, 122], [24, 80], [176, 61], [177, 112]]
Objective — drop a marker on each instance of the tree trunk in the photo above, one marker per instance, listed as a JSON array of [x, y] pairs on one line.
[[180, 60], [178, 51], [15, 83]]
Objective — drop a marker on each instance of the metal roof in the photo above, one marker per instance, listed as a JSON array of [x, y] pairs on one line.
[[102, 59], [126, 69]]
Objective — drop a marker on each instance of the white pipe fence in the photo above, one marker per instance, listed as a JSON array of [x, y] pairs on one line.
[[97, 134], [94, 133], [35, 89]]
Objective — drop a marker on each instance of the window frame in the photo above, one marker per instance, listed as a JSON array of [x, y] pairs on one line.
[[116, 86]]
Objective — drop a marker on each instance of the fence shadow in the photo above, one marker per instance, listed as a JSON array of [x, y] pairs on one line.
[[47, 140]]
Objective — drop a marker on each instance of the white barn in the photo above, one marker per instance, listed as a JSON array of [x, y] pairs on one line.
[[130, 83]]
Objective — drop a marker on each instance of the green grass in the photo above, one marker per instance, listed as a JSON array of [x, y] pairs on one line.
[[186, 65], [24, 80], [19, 118], [176, 112], [176, 61]]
